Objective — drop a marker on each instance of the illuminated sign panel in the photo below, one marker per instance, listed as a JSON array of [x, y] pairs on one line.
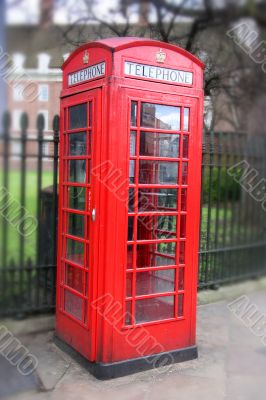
[[87, 74], [158, 73]]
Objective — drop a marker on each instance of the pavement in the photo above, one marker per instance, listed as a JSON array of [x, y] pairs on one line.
[[231, 366]]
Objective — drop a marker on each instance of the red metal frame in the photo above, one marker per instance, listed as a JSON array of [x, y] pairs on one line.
[[100, 335], [86, 324], [176, 265]]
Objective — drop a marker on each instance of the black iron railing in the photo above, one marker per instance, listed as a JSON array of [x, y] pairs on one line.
[[27, 226], [233, 223], [233, 220]]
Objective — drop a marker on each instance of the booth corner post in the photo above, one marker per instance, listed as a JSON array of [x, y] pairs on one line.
[[129, 204]]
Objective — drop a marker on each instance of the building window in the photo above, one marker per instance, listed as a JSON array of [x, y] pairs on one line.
[[18, 61], [43, 92], [16, 148], [43, 62], [16, 119], [46, 119], [45, 149], [18, 93]]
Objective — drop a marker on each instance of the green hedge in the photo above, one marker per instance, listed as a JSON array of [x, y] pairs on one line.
[[220, 185]]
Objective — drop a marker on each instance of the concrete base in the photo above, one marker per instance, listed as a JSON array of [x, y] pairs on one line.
[[104, 371]]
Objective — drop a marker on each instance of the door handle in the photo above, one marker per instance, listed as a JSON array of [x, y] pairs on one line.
[[93, 214]]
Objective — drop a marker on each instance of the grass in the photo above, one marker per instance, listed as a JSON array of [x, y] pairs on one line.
[[226, 227], [234, 228], [13, 237]]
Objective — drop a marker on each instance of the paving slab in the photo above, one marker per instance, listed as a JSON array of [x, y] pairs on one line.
[[12, 382], [52, 362], [231, 366]]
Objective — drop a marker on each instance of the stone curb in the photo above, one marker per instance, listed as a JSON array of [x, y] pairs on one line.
[[230, 292], [45, 323], [31, 325]]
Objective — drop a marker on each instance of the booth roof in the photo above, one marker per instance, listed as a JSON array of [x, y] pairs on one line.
[[120, 43]]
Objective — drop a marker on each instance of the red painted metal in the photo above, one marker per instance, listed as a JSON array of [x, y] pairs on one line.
[[111, 287]]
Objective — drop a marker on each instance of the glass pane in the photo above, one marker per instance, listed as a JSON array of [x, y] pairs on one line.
[[130, 257], [184, 173], [155, 282], [86, 284], [167, 248], [131, 194], [76, 224], [78, 116], [154, 309], [128, 315], [90, 114], [77, 171], [156, 227], [181, 279], [132, 171], [180, 312], [183, 226], [132, 143], [77, 144], [185, 146], [130, 229], [87, 265], [74, 278], [76, 197], [182, 246], [159, 144], [134, 107], [149, 255], [129, 285], [75, 251], [157, 200], [73, 305], [186, 119], [157, 172], [160, 116], [184, 200]]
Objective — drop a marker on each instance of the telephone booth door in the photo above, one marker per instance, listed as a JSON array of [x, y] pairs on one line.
[[160, 276], [79, 197]]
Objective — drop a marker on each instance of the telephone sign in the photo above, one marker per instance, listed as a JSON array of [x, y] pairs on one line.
[[86, 74], [158, 73]]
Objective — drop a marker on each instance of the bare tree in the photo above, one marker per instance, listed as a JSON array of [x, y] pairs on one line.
[[231, 78]]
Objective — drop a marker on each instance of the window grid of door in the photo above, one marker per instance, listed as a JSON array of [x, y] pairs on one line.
[[158, 168], [75, 261]]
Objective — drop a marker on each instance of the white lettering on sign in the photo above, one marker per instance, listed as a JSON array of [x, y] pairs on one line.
[[158, 73], [86, 74]]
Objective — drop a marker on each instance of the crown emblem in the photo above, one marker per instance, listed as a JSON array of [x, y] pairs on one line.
[[86, 57], [160, 56]]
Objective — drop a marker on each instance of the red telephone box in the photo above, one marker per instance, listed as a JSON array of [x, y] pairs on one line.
[[129, 204]]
